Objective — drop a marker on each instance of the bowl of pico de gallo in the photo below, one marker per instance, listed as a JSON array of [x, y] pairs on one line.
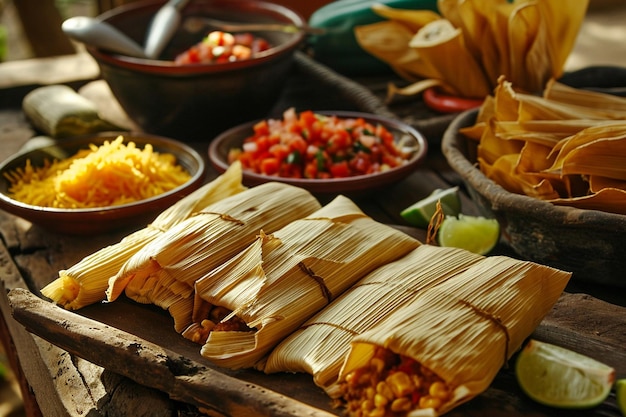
[[325, 152]]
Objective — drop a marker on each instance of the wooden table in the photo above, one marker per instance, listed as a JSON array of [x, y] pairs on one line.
[[84, 378]]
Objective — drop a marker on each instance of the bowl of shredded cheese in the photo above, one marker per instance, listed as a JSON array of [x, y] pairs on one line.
[[99, 183]]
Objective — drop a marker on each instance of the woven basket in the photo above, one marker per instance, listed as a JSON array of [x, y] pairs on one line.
[[589, 243]]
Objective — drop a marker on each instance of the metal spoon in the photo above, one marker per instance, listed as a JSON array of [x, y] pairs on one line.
[[163, 26], [97, 33], [198, 23]]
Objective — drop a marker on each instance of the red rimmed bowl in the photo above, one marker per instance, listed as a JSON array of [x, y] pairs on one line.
[[412, 138], [104, 219], [196, 102]]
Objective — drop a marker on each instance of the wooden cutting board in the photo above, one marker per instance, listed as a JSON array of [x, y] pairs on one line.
[[139, 342]]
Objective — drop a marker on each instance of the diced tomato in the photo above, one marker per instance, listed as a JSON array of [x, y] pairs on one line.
[[308, 145], [310, 170], [221, 47], [340, 169], [261, 128], [270, 166]]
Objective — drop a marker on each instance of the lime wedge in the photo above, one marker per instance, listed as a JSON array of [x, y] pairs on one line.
[[558, 377], [620, 395], [473, 233], [420, 213]]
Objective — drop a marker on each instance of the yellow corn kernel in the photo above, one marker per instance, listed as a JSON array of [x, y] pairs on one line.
[[400, 384], [377, 365], [370, 392], [428, 401], [380, 401], [383, 389], [364, 378], [401, 404], [416, 380], [367, 405], [377, 412], [439, 390]]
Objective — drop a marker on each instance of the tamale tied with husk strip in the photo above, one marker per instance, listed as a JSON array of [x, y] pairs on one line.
[[446, 346], [164, 271], [86, 282], [321, 344], [282, 279]]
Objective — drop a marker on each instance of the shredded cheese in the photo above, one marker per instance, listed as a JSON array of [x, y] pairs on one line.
[[108, 175]]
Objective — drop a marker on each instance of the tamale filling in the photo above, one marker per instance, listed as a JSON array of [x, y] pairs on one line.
[[392, 385]]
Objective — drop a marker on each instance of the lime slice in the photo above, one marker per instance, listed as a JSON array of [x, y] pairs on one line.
[[620, 395], [420, 213], [473, 233], [558, 377]]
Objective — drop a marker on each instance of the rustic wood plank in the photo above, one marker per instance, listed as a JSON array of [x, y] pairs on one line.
[[66, 385], [62, 69], [180, 370], [150, 364]]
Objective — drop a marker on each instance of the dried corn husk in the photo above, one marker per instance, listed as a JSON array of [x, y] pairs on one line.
[[320, 345], [551, 147], [86, 282], [164, 271], [60, 112], [284, 278], [442, 45], [395, 36], [466, 328], [528, 41]]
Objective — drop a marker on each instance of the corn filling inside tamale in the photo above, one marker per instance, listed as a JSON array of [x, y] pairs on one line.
[[392, 385]]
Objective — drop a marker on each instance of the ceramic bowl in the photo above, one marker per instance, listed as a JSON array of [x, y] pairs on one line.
[[99, 220], [589, 243], [196, 102], [233, 138]]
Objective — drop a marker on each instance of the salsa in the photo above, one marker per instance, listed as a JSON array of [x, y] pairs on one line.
[[315, 146], [220, 47]]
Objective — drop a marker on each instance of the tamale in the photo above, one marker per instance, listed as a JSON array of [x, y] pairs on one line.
[[85, 282], [529, 49], [446, 346], [476, 41], [320, 345], [411, 18], [388, 42], [282, 279], [442, 45], [202, 242]]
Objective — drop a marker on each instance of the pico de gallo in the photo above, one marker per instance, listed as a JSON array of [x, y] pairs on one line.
[[220, 47], [315, 146]]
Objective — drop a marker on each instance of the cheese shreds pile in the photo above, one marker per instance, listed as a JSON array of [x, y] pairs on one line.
[[108, 175]]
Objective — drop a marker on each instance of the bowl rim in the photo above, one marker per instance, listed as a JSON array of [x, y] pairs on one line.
[[19, 208], [155, 66], [331, 185], [501, 200]]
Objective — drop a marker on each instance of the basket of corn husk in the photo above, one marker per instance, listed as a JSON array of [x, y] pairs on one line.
[[550, 168], [463, 49]]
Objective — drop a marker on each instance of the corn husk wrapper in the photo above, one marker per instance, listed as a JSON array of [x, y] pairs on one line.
[[528, 41], [466, 328], [442, 45], [320, 345], [284, 278], [86, 282], [164, 271], [552, 146]]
